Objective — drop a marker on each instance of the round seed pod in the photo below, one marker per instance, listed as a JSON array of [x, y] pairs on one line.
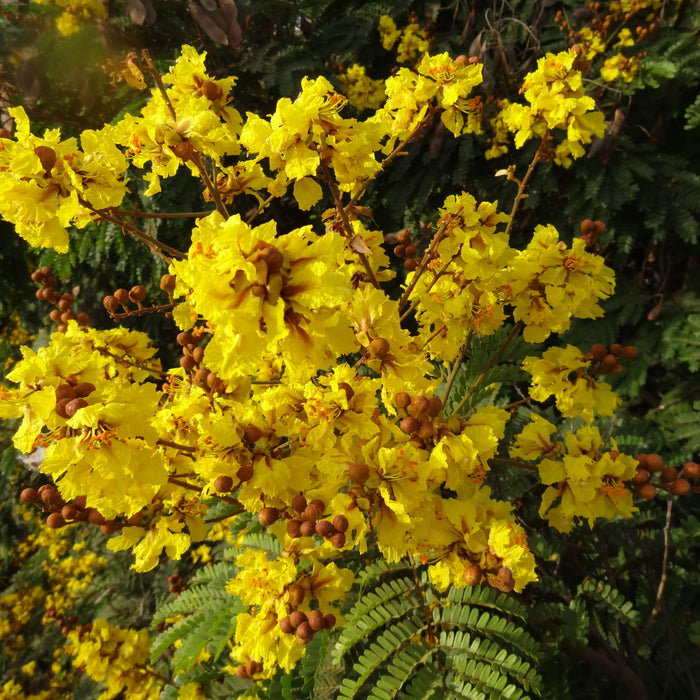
[[74, 405], [318, 506], [167, 283], [409, 425], [187, 363], [55, 316], [65, 391], [307, 528], [472, 575], [402, 399], [245, 473], [47, 156], [184, 339], [83, 389], [241, 672], [410, 264], [29, 495], [294, 527], [95, 517], [434, 406], [304, 633], [286, 625], [609, 361], [299, 503], [598, 351], [295, 595], [69, 512], [646, 491], [122, 296], [324, 528], [379, 347], [297, 618], [198, 355], [616, 349], [358, 472], [111, 303], [251, 434], [629, 352], [340, 523], [223, 483], [337, 540], [137, 294], [641, 477], [316, 621], [654, 462], [418, 406], [669, 474], [329, 620], [268, 516], [691, 470], [680, 487], [411, 250], [55, 520]]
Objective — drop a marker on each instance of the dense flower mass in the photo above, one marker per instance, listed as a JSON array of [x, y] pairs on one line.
[[312, 404]]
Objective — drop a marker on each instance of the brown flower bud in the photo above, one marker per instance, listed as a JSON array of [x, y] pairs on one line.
[[111, 303], [55, 520], [294, 528], [29, 495], [245, 473], [358, 472], [307, 528], [251, 434], [379, 348], [83, 389], [646, 491], [295, 595], [599, 351], [137, 294], [297, 618], [268, 516], [329, 620], [402, 399], [304, 633], [316, 506], [167, 283], [340, 523], [680, 487], [418, 406], [472, 575], [337, 540], [409, 425], [654, 462], [315, 620], [223, 483], [286, 625], [47, 156], [187, 363], [691, 470], [122, 296], [324, 528], [73, 406], [299, 503]]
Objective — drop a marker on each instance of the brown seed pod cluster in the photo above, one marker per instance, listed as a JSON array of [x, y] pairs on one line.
[[249, 669], [305, 625], [192, 362], [67, 624], [406, 249], [590, 231], [308, 521], [654, 475], [122, 298], [70, 397], [607, 360], [60, 512], [63, 302], [177, 585], [420, 414]]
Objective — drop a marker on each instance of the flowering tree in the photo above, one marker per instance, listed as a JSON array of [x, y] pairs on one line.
[[312, 407]]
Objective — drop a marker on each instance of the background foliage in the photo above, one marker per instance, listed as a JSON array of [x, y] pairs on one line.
[[618, 603]]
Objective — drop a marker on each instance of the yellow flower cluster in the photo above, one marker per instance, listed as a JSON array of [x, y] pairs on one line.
[[362, 92], [117, 657], [302, 398], [412, 40], [557, 100], [74, 11], [50, 184], [586, 480]]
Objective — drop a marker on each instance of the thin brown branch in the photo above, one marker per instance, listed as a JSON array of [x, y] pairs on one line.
[[523, 183]]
